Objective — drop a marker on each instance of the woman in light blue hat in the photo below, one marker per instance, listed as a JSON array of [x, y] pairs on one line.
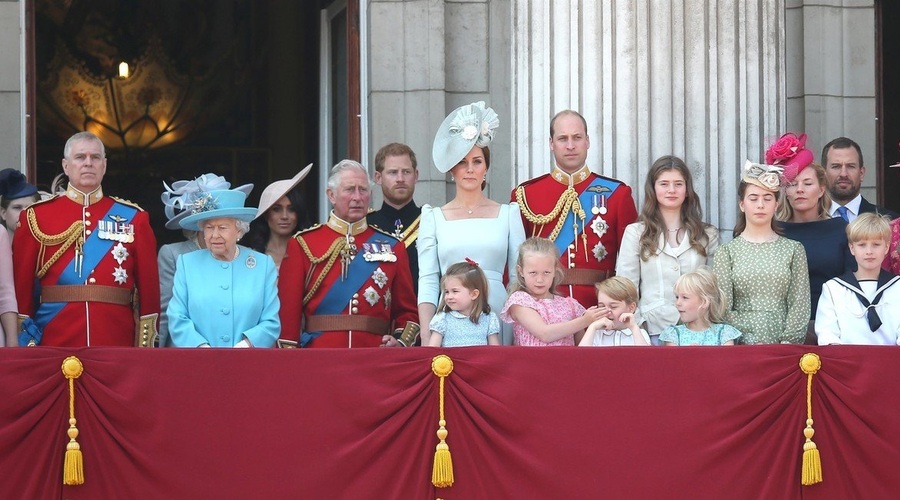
[[178, 200], [470, 225], [224, 295]]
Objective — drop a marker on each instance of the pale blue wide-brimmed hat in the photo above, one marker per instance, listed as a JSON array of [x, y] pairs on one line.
[[216, 204], [179, 198], [465, 127]]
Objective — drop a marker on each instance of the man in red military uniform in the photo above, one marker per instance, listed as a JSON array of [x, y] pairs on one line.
[[585, 214], [85, 263], [346, 284]]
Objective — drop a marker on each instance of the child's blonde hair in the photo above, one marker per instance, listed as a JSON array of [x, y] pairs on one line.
[[472, 278], [704, 284], [540, 246], [619, 288], [869, 226]]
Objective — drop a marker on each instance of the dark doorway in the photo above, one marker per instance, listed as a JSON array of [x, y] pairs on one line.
[[887, 19], [223, 87]]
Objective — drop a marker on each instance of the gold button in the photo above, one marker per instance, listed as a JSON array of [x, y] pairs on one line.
[[571, 265], [87, 231], [354, 302], [87, 214], [355, 295], [92, 280], [354, 310], [87, 223], [571, 246]]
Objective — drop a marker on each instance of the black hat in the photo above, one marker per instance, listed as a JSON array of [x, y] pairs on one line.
[[13, 185]]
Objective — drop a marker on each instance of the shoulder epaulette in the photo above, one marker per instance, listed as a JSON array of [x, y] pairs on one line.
[[310, 228], [533, 180], [127, 202], [43, 201], [610, 179], [382, 231]]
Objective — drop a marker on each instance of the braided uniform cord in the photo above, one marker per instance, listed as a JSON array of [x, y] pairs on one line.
[[568, 201], [331, 255], [66, 238]]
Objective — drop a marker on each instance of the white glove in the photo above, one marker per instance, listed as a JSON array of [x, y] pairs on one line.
[[243, 344]]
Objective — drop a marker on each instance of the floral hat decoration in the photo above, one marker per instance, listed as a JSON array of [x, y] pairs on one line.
[[225, 203], [790, 152], [768, 177], [180, 197], [465, 127]]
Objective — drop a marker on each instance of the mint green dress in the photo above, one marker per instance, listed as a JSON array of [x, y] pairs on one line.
[[766, 287], [716, 334]]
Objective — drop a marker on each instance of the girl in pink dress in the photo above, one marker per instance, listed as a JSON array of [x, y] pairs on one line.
[[539, 316]]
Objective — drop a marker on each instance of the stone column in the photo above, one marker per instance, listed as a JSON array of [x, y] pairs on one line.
[[12, 138], [426, 57], [701, 79], [831, 75]]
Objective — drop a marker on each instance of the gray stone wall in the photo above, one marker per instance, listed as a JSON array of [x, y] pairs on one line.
[[831, 75], [11, 138], [426, 57]]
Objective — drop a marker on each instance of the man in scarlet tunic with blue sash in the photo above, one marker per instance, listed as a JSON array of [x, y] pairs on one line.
[[345, 283], [85, 263], [585, 214]]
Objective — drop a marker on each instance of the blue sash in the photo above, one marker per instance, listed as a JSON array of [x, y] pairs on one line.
[[95, 249], [598, 186], [341, 291]]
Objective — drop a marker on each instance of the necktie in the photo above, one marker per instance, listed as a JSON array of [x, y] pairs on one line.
[[843, 212]]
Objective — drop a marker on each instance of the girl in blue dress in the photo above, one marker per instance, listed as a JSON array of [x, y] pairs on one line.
[[701, 306], [464, 316]]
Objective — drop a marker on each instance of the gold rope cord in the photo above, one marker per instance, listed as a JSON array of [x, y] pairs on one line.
[[74, 234], [73, 465], [812, 462], [442, 469], [567, 201], [331, 254]]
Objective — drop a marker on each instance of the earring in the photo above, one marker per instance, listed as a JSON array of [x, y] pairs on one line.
[[484, 179]]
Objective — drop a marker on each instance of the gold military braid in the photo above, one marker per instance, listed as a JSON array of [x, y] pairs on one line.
[[567, 201], [75, 234], [332, 254]]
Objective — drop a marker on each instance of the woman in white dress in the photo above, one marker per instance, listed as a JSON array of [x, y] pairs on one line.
[[470, 225], [670, 239]]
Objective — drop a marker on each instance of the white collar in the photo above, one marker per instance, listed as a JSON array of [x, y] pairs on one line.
[[852, 206]]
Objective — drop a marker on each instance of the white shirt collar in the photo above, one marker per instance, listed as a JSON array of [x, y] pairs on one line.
[[852, 207]]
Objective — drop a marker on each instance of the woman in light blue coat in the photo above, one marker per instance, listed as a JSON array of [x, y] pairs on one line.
[[224, 295]]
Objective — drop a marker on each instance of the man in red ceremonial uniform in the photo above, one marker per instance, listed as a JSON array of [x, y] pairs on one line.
[[585, 214], [346, 284], [85, 263]]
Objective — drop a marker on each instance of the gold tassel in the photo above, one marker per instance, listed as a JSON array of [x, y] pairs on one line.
[[442, 471], [73, 467], [812, 462]]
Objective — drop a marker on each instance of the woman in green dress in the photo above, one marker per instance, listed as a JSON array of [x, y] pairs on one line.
[[764, 275]]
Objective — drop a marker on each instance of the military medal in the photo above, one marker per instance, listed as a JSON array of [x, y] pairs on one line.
[[371, 296], [599, 208], [380, 251], [120, 253], [380, 278], [398, 229], [115, 230]]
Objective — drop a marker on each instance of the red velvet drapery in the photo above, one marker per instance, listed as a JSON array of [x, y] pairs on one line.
[[689, 422]]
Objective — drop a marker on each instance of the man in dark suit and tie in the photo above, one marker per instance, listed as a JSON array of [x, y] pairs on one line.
[[844, 171]]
